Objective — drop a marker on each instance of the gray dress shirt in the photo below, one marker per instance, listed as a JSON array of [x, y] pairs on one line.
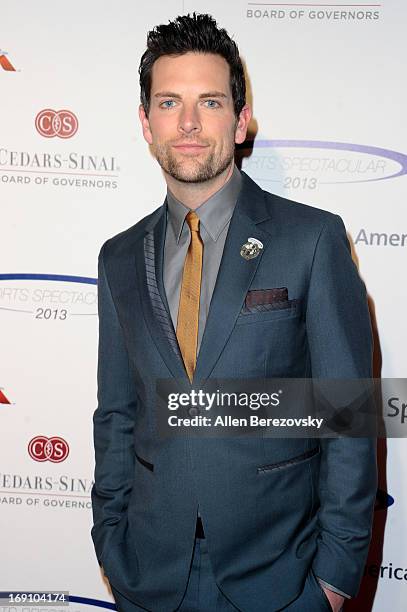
[[214, 216]]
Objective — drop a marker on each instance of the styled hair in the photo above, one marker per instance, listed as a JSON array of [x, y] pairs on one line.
[[198, 33]]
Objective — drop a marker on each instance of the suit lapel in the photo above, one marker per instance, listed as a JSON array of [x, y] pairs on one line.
[[153, 297], [235, 274]]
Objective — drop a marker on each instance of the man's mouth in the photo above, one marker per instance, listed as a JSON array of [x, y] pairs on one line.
[[190, 147]]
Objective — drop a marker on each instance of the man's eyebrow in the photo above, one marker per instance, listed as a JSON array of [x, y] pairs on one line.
[[172, 94], [213, 94], [166, 94]]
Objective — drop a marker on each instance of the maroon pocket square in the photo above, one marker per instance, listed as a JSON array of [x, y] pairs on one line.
[[261, 300], [258, 297]]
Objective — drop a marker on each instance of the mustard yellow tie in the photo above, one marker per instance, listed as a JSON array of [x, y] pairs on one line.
[[188, 310]]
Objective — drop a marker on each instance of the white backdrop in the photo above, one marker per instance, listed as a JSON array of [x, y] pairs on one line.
[[328, 88]]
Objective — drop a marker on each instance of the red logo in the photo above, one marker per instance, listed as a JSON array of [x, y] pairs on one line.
[[51, 123], [53, 449], [3, 398], [5, 62]]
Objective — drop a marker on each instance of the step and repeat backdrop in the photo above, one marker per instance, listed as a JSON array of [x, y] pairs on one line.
[[328, 88]]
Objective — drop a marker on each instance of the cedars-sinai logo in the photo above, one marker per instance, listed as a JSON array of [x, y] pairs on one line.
[[309, 164], [51, 123], [54, 449]]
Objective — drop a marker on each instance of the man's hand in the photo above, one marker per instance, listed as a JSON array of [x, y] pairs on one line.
[[335, 599]]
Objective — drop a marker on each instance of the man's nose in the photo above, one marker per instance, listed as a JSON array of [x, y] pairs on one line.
[[189, 120]]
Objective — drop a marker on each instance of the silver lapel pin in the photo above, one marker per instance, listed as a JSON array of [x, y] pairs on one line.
[[251, 248]]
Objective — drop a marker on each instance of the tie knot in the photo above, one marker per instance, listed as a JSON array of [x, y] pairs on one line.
[[193, 221]]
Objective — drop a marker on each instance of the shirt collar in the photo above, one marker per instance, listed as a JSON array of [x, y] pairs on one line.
[[214, 214]]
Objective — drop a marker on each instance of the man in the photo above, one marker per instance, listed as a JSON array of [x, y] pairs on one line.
[[250, 524]]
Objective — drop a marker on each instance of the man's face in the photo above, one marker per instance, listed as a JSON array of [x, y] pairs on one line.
[[191, 126]]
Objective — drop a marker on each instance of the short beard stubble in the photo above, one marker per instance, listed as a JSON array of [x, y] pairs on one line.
[[204, 171]]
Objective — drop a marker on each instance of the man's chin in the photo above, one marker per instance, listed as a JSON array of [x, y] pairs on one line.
[[190, 175], [195, 174], [191, 179]]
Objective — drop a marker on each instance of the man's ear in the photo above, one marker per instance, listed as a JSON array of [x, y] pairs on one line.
[[145, 124], [242, 124]]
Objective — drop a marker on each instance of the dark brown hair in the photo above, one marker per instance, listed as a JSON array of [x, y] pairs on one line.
[[198, 33]]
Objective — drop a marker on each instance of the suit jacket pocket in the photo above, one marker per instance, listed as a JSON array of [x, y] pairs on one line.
[[147, 464], [279, 465], [269, 312]]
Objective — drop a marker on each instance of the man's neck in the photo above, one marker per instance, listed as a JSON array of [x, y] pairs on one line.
[[193, 195]]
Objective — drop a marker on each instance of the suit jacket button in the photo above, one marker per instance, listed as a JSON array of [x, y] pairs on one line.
[[193, 411]]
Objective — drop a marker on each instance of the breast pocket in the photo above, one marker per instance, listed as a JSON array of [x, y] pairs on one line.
[[268, 312]]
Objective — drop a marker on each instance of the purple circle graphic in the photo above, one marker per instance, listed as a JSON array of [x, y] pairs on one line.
[[395, 156]]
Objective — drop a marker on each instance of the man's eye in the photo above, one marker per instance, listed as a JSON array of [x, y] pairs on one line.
[[211, 103], [167, 104]]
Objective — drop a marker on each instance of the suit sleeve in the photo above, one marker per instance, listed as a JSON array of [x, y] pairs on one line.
[[340, 341], [113, 422]]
